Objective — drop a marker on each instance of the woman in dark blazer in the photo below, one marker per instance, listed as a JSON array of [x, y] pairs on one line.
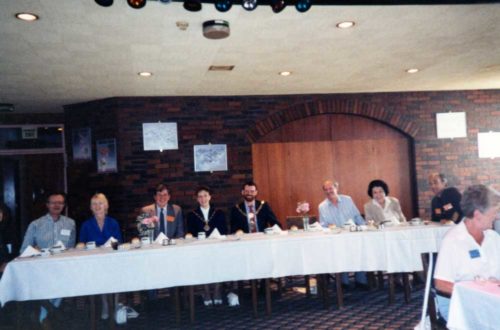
[[205, 219]]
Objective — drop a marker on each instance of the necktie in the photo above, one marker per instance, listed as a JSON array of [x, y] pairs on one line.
[[162, 221], [252, 225]]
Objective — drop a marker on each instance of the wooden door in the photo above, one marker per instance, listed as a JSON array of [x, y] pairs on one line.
[[291, 163]]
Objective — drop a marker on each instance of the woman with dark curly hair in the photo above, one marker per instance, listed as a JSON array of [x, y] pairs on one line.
[[382, 208]]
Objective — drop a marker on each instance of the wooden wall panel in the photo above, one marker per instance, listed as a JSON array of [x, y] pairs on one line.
[[288, 172]]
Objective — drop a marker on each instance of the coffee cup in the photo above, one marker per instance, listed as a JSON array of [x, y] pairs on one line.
[[90, 245], [145, 241], [202, 235]]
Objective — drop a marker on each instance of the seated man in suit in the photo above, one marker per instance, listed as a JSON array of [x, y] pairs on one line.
[[252, 215], [338, 209], [171, 222]]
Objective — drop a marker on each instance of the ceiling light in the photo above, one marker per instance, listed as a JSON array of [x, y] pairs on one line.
[[182, 25], [165, 1], [345, 25], [223, 5], [249, 4], [278, 5], [136, 4], [192, 5], [285, 73], [303, 5], [145, 74], [412, 70], [28, 17], [104, 3]]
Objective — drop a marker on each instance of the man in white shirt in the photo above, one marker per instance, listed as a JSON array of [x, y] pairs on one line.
[[471, 248], [338, 210]]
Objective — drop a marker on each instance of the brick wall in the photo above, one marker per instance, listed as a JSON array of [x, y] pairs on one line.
[[237, 121]]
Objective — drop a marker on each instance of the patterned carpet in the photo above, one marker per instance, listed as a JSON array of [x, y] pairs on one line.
[[291, 310]]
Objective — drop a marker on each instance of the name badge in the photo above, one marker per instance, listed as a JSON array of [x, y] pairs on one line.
[[447, 207], [170, 218], [474, 254], [437, 211], [65, 232]]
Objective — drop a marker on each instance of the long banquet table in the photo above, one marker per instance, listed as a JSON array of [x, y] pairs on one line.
[[193, 262], [475, 305]]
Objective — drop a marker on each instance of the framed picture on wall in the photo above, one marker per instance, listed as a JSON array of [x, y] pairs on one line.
[[487, 144], [160, 136], [106, 156], [82, 144], [210, 157], [451, 125]]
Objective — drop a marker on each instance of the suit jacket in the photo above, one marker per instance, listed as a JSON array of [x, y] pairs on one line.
[[264, 214], [446, 205], [374, 212], [216, 219], [175, 221]]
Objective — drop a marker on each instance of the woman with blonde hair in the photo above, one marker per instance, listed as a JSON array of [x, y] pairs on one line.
[[99, 229]]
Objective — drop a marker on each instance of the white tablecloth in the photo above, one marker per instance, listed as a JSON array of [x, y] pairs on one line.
[[78, 273], [475, 306]]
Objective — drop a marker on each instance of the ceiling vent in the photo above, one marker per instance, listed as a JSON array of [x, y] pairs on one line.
[[6, 107], [221, 68], [216, 29]]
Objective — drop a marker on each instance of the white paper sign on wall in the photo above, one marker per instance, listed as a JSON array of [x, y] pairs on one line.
[[451, 125], [488, 144]]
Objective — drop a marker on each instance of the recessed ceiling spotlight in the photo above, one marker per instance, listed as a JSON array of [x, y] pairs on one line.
[[182, 25], [285, 73], [145, 74], [412, 70], [28, 17], [345, 25]]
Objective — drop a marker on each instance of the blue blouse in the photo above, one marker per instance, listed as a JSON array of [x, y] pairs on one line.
[[90, 231]]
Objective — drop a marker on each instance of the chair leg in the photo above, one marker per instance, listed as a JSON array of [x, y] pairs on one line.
[[92, 313], [253, 283], [177, 304], [407, 287], [308, 287], [390, 281], [191, 303], [268, 296], [380, 277], [340, 293]]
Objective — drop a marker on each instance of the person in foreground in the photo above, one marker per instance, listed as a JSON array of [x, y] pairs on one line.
[[471, 248], [171, 222], [337, 210], [99, 229], [445, 205], [47, 231], [252, 215], [205, 219], [382, 208]]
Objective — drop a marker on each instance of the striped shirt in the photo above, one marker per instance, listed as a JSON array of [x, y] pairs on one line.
[[44, 232], [338, 215]]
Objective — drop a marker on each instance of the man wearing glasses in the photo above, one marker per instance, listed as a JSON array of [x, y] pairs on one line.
[[53, 227], [47, 231]]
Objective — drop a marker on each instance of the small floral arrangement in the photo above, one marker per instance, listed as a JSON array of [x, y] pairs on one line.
[[303, 208], [146, 222]]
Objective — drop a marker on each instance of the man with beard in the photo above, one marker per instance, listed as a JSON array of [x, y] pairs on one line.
[[252, 215]]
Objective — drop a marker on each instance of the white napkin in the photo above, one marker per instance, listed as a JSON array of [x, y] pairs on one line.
[[277, 229], [232, 299], [30, 252], [109, 241], [349, 222], [60, 244], [216, 234], [315, 227], [160, 238]]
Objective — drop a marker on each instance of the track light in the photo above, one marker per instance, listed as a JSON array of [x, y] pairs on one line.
[[104, 3], [278, 5], [192, 5], [223, 5], [249, 4], [303, 5], [136, 4]]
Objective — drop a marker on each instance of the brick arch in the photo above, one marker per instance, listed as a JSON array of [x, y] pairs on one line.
[[314, 108]]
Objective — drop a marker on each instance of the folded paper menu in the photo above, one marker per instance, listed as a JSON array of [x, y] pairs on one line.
[[276, 229], [315, 227], [59, 246], [30, 252], [109, 241], [160, 238], [216, 234]]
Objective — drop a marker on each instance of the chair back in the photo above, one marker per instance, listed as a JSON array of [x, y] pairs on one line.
[[429, 304], [297, 220]]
